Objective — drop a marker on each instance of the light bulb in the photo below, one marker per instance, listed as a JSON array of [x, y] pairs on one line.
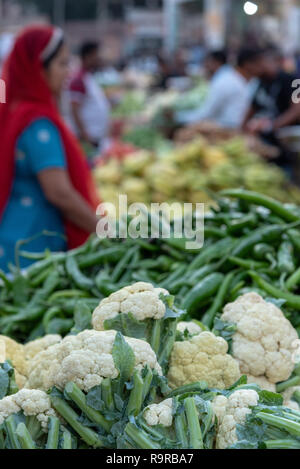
[[250, 8]]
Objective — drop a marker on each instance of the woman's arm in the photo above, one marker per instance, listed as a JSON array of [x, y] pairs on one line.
[[59, 191]]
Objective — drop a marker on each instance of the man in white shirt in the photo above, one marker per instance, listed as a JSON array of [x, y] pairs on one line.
[[231, 90], [88, 108]]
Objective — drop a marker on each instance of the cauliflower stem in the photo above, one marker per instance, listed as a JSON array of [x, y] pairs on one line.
[[191, 421]]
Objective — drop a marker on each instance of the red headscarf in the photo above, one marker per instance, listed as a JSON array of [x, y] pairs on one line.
[[29, 98]]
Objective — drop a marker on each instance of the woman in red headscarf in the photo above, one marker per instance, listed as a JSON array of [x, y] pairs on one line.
[[45, 183]]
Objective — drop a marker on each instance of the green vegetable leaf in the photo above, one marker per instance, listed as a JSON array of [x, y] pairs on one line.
[[129, 326], [59, 326], [94, 399], [253, 431], [124, 358], [276, 301], [82, 318], [224, 329], [172, 312], [4, 383], [270, 398]]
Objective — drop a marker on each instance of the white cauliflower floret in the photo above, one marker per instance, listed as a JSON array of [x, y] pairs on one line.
[[31, 402], [85, 359], [203, 358], [140, 299], [230, 412], [159, 414], [31, 349], [263, 343], [191, 327]]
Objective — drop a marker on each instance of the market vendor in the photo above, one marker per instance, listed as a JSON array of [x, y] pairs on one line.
[[45, 183], [272, 106], [230, 92]]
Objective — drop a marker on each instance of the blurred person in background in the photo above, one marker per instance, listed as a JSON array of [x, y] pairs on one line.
[[168, 69], [272, 106], [88, 109], [230, 90], [45, 183]]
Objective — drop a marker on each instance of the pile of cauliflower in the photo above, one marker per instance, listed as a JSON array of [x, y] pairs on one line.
[[262, 348]]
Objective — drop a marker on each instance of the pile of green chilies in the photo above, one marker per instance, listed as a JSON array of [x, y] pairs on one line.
[[252, 243]]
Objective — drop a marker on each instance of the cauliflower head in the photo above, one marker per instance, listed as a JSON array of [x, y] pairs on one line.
[[203, 358], [36, 346], [159, 414], [263, 343], [85, 359], [231, 411], [141, 299], [31, 402], [191, 327], [15, 353]]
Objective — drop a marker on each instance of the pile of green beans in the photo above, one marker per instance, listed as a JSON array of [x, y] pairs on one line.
[[252, 243]]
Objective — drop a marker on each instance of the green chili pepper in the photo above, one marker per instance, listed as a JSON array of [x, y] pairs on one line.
[[123, 264], [248, 264], [108, 255], [80, 280], [174, 276], [258, 199], [38, 267], [293, 280], [40, 278], [209, 317], [64, 294], [216, 251], [294, 236], [291, 300], [203, 290], [248, 221], [261, 235], [261, 250], [286, 262]]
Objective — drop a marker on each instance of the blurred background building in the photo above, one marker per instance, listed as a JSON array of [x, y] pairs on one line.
[[128, 26]]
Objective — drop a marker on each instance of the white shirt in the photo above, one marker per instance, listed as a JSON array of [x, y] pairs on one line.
[[94, 108], [227, 103]]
